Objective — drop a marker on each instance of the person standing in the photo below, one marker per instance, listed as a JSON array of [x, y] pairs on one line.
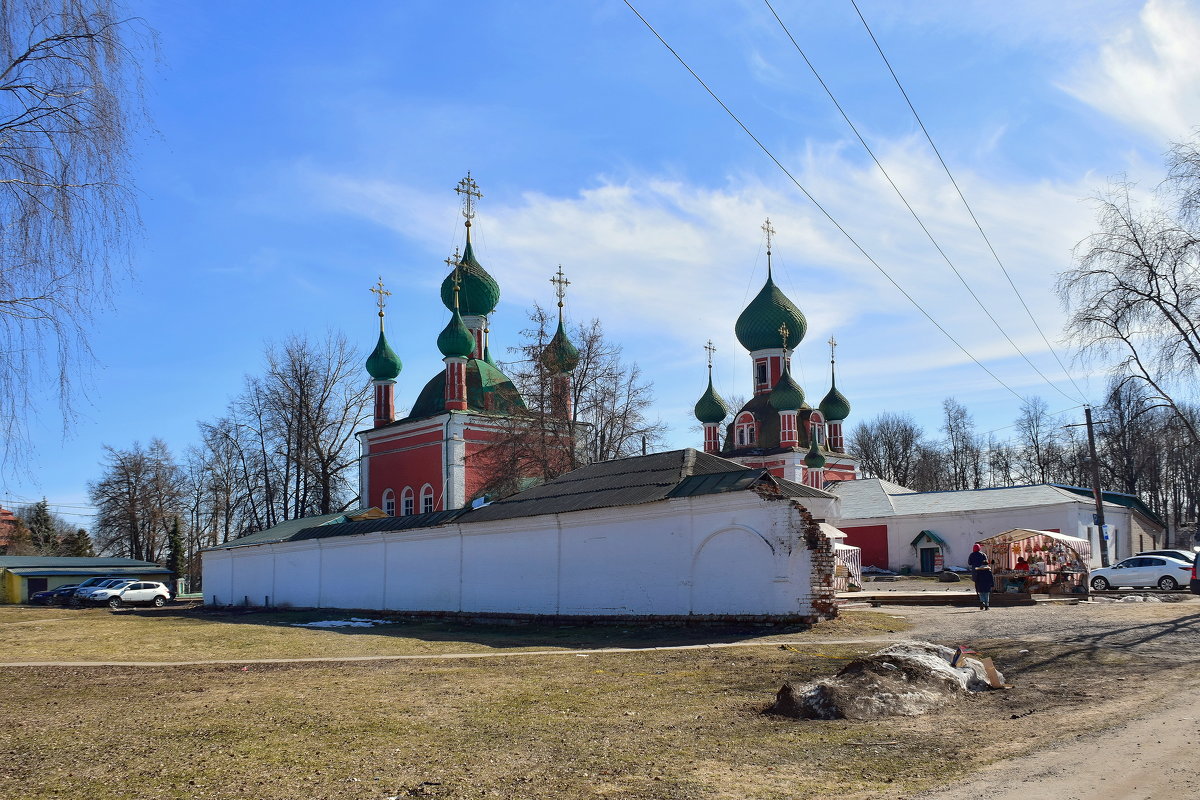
[[976, 558], [985, 581]]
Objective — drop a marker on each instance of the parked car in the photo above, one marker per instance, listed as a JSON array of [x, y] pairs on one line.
[[102, 590], [1182, 555], [131, 592], [95, 583], [1139, 571], [52, 596]]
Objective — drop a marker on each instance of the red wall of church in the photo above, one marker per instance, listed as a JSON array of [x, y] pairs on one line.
[[411, 460], [872, 540]]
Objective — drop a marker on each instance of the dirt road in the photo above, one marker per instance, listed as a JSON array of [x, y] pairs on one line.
[[1152, 758]]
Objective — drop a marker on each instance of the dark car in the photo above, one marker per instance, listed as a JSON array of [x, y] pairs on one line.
[[1195, 582], [52, 597]]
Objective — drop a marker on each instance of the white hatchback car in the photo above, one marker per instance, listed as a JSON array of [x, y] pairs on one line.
[[1160, 571], [131, 592]]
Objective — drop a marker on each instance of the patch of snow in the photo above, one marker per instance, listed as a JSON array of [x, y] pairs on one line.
[[353, 622]]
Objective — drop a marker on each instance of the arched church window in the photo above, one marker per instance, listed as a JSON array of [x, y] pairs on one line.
[[816, 427], [406, 502], [760, 374], [389, 503], [426, 499], [746, 430]]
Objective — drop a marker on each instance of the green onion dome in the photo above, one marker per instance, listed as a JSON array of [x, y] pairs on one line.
[[478, 293], [835, 406], [383, 364], [787, 394], [813, 458], [560, 356], [758, 326], [487, 356], [710, 407], [455, 340]]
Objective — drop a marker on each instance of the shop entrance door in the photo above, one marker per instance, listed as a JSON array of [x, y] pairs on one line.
[[928, 559]]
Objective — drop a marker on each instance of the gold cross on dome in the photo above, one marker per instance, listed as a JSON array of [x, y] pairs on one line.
[[470, 193], [832, 347], [783, 334], [382, 292], [769, 230], [710, 349], [560, 285], [454, 260]]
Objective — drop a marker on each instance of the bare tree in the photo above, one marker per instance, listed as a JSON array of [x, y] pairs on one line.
[[888, 446], [963, 447], [610, 403], [69, 89], [1134, 298], [1038, 451], [137, 498]]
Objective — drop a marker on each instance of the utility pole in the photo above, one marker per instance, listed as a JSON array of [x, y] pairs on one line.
[[1096, 492], [1087, 416]]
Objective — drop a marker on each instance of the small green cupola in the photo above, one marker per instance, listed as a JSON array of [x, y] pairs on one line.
[[456, 339], [478, 292], [711, 408], [560, 356], [787, 394], [834, 406], [383, 364], [757, 328], [813, 458]]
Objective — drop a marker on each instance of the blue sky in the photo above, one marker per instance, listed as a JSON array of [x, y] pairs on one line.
[[302, 148]]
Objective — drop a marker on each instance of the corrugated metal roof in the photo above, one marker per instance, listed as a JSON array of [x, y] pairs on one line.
[[89, 571], [872, 497], [58, 562], [622, 482], [285, 530], [383, 524]]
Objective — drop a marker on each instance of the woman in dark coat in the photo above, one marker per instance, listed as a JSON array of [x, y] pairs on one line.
[[984, 582]]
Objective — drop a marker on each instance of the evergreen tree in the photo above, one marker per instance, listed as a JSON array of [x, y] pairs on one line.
[[78, 545], [175, 554], [41, 528]]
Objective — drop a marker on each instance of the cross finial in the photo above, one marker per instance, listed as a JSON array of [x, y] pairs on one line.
[[832, 347], [470, 193], [560, 285], [783, 335], [769, 230], [382, 293], [710, 349], [455, 261], [457, 282]]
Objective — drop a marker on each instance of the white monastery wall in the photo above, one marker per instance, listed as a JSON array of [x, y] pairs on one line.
[[726, 554]]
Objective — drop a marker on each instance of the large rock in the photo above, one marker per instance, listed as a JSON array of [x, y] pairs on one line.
[[903, 679]]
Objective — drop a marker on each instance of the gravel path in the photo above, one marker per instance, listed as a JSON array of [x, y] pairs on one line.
[[1170, 630]]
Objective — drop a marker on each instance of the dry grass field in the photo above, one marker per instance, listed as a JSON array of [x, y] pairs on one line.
[[647, 724]]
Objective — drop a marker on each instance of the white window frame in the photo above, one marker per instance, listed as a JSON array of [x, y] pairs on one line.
[[389, 502], [407, 502], [427, 504]]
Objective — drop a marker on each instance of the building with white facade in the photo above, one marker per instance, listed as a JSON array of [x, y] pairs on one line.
[[896, 527]]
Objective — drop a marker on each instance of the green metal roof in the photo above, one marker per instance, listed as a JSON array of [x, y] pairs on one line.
[[711, 407], [59, 562], [758, 326], [488, 391], [835, 406], [285, 530], [787, 394], [478, 291], [90, 572], [383, 364], [455, 340], [933, 537], [560, 356]]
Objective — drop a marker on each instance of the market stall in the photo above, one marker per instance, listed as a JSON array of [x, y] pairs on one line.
[[1027, 560]]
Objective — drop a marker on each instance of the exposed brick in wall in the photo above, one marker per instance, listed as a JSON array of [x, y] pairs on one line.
[[822, 594]]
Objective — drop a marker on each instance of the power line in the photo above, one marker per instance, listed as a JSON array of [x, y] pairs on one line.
[[911, 210], [967, 205], [820, 207]]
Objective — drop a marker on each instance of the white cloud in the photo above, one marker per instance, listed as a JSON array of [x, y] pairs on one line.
[[1147, 74]]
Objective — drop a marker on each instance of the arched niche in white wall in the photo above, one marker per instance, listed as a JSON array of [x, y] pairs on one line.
[[733, 572]]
